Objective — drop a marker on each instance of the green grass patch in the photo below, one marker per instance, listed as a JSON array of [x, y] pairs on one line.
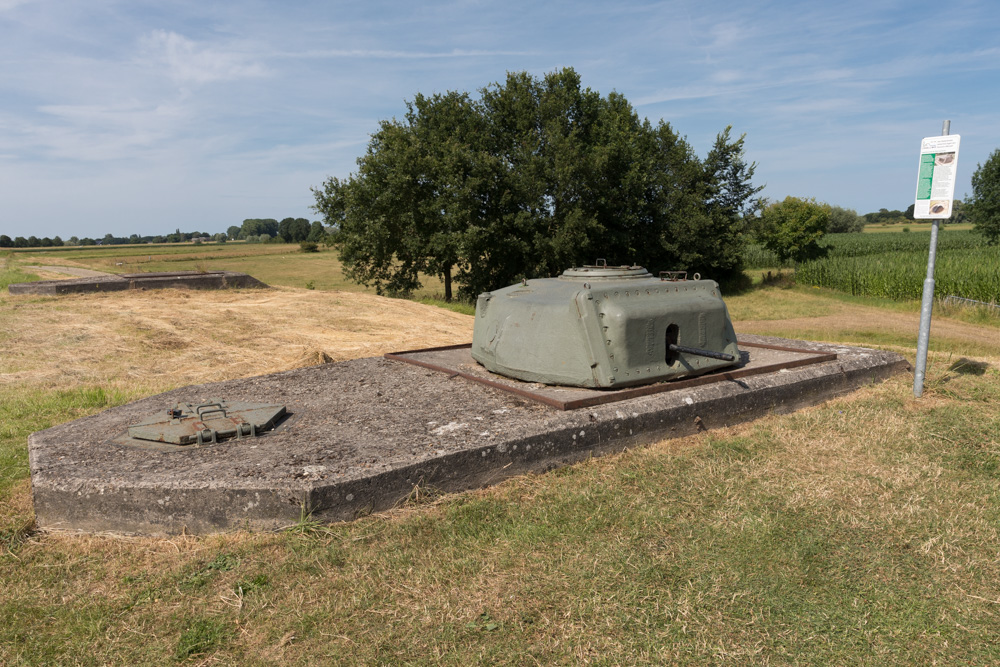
[[25, 411], [10, 272], [826, 537], [202, 636]]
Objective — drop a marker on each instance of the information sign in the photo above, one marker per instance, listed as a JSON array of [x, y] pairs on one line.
[[936, 177]]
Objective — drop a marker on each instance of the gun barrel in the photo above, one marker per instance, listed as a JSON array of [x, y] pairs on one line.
[[702, 353]]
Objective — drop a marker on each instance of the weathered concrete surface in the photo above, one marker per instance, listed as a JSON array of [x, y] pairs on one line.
[[364, 432], [126, 281]]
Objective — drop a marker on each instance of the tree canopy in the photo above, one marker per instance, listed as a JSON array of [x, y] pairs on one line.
[[531, 178], [844, 221], [984, 203], [253, 227], [792, 228], [294, 230]]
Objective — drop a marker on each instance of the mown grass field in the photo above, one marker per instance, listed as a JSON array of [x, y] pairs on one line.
[[914, 226], [862, 531], [275, 264]]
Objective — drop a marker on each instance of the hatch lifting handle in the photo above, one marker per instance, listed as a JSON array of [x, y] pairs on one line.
[[217, 407]]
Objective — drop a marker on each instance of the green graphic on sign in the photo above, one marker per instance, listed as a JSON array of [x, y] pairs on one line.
[[925, 176]]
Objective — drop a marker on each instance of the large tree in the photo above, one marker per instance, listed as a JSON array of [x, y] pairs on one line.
[[984, 204], [316, 231], [847, 220], [793, 227], [415, 193], [534, 177], [294, 230], [256, 226]]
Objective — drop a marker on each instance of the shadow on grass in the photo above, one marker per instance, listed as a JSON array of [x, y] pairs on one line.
[[748, 281], [969, 367]]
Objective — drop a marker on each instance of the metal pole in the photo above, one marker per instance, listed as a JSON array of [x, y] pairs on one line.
[[927, 304]]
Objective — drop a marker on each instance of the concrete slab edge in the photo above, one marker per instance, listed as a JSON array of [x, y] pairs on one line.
[[214, 280], [133, 509]]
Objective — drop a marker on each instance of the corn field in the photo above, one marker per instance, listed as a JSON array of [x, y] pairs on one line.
[[893, 266], [968, 273], [854, 245], [756, 256]]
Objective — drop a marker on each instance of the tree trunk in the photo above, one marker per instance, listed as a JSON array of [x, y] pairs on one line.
[[447, 283]]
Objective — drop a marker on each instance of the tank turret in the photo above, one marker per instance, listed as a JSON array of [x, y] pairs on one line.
[[604, 327]]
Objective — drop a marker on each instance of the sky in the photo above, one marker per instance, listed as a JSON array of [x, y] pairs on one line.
[[136, 117]]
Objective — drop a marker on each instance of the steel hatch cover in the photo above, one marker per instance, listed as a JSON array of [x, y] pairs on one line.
[[189, 425]]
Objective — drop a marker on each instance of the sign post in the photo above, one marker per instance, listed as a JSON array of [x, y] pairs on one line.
[[935, 195]]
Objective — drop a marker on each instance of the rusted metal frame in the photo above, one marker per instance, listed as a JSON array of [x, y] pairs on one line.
[[616, 395], [451, 372], [797, 350], [442, 348], [674, 385]]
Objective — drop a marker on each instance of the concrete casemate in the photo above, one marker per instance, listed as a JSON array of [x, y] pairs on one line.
[[360, 435], [127, 281]]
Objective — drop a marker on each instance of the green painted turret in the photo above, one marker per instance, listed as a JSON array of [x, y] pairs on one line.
[[604, 327]]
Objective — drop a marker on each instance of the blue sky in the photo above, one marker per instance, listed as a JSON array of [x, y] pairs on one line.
[[143, 117]]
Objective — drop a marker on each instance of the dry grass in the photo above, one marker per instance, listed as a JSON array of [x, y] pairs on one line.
[[176, 337], [863, 531], [274, 264]]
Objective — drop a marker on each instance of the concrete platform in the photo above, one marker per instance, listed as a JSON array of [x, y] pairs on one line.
[[363, 433], [127, 281], [755, 359]]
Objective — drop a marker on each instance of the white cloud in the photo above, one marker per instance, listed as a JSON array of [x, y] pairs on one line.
[[190, 62], [727, 35], [380, 54], [115, 114], [92, 133], [7, 5], [728, 76]]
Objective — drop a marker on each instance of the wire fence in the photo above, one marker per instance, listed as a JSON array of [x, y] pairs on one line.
[[952, 300]]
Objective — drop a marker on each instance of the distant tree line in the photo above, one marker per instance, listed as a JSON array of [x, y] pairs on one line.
[[107, 239], [30, 242], [254, 230], [269, 230], [883, 216]]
